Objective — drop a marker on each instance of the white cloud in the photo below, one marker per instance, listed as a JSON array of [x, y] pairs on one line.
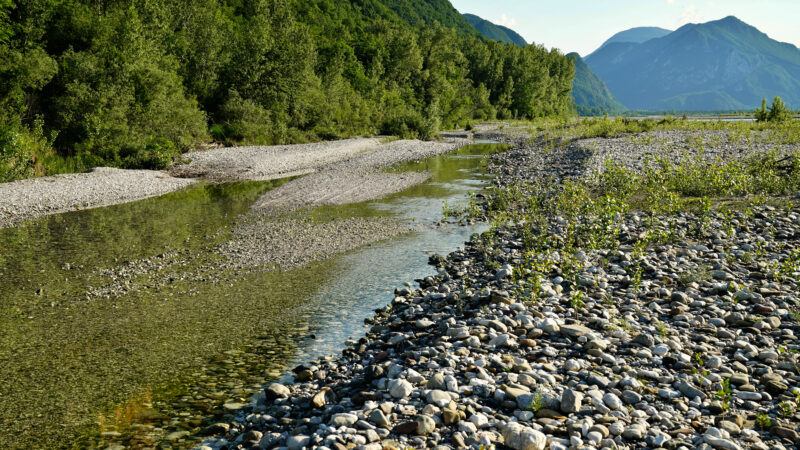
[[670, 2], [690, 14], [507, 21]]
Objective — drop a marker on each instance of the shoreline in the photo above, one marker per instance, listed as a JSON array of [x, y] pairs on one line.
[[651, 355], [32, 198]]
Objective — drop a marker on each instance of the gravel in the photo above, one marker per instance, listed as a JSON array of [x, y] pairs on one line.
[[36, 197], [343, 171], [690, 343], [357, 178], [269, 162], [265, 240]]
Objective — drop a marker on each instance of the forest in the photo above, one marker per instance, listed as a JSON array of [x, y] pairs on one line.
[[134, 84]]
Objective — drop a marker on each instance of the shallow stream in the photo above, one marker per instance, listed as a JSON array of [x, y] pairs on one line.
[[177, 345]]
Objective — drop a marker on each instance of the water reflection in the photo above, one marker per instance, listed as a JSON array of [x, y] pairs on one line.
[[163, 362]]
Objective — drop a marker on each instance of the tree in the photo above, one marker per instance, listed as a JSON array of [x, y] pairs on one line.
[[776, 113]]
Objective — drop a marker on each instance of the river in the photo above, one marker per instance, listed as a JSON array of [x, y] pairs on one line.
[[158, 362]]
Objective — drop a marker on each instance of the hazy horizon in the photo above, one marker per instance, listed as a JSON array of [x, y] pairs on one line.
[[583, 25]]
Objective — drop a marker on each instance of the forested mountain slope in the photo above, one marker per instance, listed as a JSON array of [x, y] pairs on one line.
[[495, 32], [590, 93], [133, 83]]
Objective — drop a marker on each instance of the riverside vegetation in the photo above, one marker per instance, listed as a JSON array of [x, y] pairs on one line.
[[133, 84], [619, 300]]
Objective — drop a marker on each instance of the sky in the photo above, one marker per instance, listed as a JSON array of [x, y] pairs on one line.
[[583, 25]]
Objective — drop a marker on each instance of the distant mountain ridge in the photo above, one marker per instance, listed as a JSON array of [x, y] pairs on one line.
[[636, 35], [495, 32], [720, 65]]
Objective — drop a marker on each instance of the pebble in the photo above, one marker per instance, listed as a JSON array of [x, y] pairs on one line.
[[632, 367]]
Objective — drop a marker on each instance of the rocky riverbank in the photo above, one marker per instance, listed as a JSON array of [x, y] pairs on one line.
[[682, 334]]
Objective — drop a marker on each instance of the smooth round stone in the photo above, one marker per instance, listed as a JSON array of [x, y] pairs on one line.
[[661, 349], [572, 365], [612, 401]]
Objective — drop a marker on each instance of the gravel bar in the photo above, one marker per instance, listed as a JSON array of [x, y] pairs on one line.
[[350, 167], [36, 197], [686, 344]]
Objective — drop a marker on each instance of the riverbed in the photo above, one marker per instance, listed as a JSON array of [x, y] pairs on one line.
[[189, 340]]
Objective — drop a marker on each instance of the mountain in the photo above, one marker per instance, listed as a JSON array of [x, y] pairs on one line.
[[420, 13], [590, 93], [495, 32], [637, 35], [720, 65]]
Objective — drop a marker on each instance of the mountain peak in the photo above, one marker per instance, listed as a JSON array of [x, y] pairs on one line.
[[636, 35], [731, 19], [724, 64]]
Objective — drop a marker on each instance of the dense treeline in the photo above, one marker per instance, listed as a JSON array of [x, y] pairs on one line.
[[134, 83]]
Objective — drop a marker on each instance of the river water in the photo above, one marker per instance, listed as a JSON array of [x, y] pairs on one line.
[[155, 364]]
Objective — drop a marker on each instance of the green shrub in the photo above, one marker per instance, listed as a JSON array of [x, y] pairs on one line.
[[15, 160], [157, 155], [20, 147], [409, 125], [245, 121], [776, 113]]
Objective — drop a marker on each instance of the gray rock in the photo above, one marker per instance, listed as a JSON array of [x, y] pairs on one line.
[[690, 391], [437, 382], [298, 442], [275, 391], [575, 330], [438, 398], [550, 326], [631, 397], [343, 419], [644, 340], [717, 442], [634, 432], [571, 401], [379, 418], [425, 425], [612, 401]]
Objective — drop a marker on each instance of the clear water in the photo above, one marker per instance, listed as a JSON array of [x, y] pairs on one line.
[[134, 369]]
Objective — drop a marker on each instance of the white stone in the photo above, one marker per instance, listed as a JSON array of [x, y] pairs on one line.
[[343, 419], [400, 388], [479, 419], [467, 427], [519, 437], [550, 326], [612, 401], [661, 349]]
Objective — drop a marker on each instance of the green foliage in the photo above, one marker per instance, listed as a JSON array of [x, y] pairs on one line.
[[763, 421], [5, 27], [495, 32], [725, 394], [592, 96], [16, 160], [246, 121], [134, 84], [19, 147], [776, 113]]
